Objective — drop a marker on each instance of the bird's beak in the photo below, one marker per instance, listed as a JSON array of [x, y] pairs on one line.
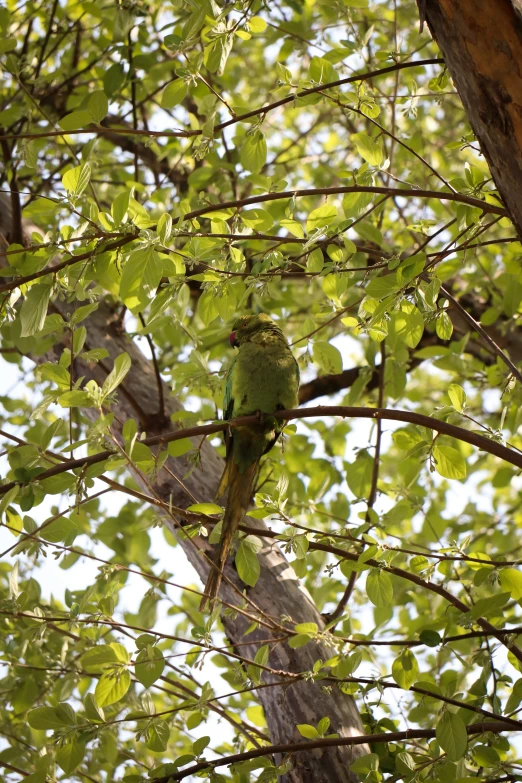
[[233, 340]]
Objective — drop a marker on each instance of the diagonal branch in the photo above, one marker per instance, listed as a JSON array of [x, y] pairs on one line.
[[262, 111]]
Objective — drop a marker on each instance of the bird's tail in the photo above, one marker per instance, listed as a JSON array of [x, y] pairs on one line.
[[240, 493]]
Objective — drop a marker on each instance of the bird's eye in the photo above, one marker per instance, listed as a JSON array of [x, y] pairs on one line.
[[243, 325]]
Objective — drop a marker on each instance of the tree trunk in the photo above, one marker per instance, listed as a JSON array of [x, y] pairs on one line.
[[277, 594], [481, 41]]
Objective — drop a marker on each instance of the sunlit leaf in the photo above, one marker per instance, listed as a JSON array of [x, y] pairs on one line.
[[452, 736]]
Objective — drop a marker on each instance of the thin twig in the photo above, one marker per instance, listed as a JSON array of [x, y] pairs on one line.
[[263, 110], [339, 610], [161, 397]]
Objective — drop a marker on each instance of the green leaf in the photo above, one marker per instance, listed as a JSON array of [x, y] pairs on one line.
[[444, 326], [262, 655], [8, 498], [14, 523], [515, 697], [98, 106], [430, 638], [77, 179], [205, 508], [164, 228], [449, 462], [485, 756], [321, 217], [140, 217], [97, 658], [408, 325], [75, 399], [47, 718], [299, 640], [256, 24], [315, 262], [253, 151], [82, 312], [457, 396], [219, 52], [511, 582], [36, 777], [405, 669], [380, 287], [112, 687], [199, 745], [293, 227], [379, 588], [222, 215], [406, 439], [394, 378], [452, 736], [323, 726], [257, 219], [247, 564], [140, 279], [75, 120], [14, 590], [359, 474], [34, 309], [365, 764], [120, 207], [70, 756], [322, 71], [173, 94], [149, 666], [121, 652], [308, 731], [207, 307], [159, 736], [328, 357], [308, 628], [113, 79], [334, 286], [56, 485], [8, 45], [60, 529], [176, 448], [122, 365], [512, 294], [195, 21], [41, 208], [370, 150]]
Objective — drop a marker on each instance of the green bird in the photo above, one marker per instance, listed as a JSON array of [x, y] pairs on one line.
[[262, 379]]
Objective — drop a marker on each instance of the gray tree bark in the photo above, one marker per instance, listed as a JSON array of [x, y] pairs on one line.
[[277, 594]]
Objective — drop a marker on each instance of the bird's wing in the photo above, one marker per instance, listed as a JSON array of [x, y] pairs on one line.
[[228, 403]]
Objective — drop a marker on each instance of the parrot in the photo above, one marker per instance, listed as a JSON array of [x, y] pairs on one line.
[[263, 378]]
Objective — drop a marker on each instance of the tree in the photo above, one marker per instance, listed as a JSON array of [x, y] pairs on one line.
[[165, 167]]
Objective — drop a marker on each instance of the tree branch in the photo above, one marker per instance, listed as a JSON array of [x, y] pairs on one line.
[[467, 436], [327, 742], [288, 194], [241, 117]]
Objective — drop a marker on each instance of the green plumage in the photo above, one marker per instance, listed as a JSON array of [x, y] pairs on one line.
[[263, 378]]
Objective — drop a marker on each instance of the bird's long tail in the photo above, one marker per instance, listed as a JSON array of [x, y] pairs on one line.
[[239, 496]]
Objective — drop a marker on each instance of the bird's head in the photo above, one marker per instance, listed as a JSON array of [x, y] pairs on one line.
[[248, 327]]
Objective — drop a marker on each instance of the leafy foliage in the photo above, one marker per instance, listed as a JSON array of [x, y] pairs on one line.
[[175, 164]]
